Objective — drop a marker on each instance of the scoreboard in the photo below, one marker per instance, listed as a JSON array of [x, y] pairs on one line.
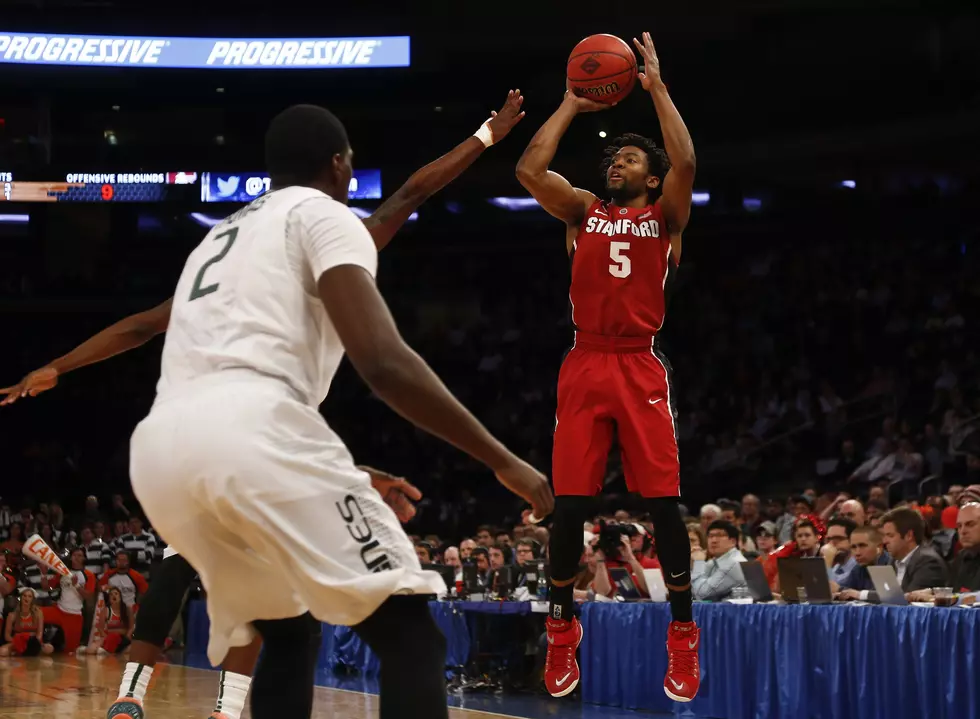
[[162, 187]]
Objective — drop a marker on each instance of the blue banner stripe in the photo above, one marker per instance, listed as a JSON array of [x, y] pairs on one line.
[[205, 53]]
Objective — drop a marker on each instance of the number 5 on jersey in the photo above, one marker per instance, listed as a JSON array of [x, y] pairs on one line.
[[622, 268], [197, 291]]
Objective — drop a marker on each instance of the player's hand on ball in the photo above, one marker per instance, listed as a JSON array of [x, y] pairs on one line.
[[397, 492], [651, 63], [33, 384], [510, 114], [525, 481], [583, 104]]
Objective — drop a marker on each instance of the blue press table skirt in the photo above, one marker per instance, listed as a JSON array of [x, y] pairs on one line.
[[758, 661]]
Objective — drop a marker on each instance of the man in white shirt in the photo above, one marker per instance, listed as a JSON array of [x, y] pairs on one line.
[[235, 465], [715, 578]]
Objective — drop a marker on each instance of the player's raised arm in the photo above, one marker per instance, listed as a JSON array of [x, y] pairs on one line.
[[126, 334], [552, 191], [405, 383], [679, 183], [395, 211]]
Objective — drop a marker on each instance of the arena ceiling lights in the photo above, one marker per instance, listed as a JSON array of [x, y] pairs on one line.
[[204, 53]]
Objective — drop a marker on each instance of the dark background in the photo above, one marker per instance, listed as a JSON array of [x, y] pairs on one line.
[[783, 100]]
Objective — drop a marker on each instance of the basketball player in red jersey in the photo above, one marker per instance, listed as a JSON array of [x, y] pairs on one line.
[[614, 377]]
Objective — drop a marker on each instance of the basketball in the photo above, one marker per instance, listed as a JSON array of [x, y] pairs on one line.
[[602, 68]]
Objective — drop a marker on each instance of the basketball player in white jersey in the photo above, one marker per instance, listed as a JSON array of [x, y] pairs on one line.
[[161, 605], [237, 468]]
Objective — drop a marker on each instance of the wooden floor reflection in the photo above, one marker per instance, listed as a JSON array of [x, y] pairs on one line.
[[69, 688]]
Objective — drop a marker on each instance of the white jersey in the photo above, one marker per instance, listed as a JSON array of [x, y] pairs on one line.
[[247, 298]]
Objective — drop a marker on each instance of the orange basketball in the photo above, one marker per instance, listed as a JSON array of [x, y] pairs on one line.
[[603, 68]]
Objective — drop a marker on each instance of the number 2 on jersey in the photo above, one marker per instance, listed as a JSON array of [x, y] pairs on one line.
[[622, 268], [197, 291]]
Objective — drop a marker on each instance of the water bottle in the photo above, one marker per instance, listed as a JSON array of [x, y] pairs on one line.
[[801, 595], [542, 584]]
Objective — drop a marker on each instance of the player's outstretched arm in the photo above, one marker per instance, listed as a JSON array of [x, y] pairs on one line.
[[124, 335], [552, 191], [395, 211], [405, 382], [679, 183]]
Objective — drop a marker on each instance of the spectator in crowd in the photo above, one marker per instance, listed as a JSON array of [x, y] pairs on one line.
[[585, 579], [866, 544], [14, 545], [751, 514], [776, 512], [484, 536], [127, 580], [876, 509], [837, 551], [452, 559], [481, 558], [714, 579], [802, 505], [423, 550], [119, 510], [138, 543], [92, 513], [696, 535], [940, 538], [807, 535], [852, 509], [964, 572], [466, 548], [729, 510], [527, 551], [604, 583], [765, 538], [641, 542], [503, 538], [954, 492], [878, 494], [100, 532], [709, 513], [916, 566], [97, 554], [24, 628], [500, 555]]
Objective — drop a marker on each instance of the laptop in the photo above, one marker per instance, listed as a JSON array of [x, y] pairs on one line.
[[887, 585], [448, 574], [656, 584], [625, 586], [501, 581], [755, 578], [807, 572]]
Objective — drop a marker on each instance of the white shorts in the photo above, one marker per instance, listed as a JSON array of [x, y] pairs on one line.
[[262, 498]]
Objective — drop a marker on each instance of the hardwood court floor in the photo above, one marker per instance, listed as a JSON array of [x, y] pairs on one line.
[[70, 688]]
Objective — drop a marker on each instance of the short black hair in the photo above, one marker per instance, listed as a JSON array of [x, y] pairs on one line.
[[730, 529], [906, 520], [848, 524], [729, 505], [480, 550], [657, 161], [301, 142]]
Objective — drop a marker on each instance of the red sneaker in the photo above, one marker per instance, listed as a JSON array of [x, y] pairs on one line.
[[561, 673], [683, 669]]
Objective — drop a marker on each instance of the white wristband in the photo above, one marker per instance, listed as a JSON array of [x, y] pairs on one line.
[[484, 134]]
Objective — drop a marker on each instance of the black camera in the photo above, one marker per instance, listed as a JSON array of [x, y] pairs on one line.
[[611, 538]]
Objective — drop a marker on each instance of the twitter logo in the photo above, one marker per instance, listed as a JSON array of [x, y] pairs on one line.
[[227, 186]]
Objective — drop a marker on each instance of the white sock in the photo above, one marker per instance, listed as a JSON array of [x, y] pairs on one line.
[[135, 680], [232, 691]]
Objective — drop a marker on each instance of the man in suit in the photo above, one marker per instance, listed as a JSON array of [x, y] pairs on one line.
[[916, 567]]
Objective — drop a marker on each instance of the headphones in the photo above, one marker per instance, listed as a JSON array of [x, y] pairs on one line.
[[534, 544]]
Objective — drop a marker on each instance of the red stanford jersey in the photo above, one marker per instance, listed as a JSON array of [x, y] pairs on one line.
[[620, 260]]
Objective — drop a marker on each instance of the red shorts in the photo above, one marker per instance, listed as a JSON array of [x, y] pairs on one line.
[[621, 384]]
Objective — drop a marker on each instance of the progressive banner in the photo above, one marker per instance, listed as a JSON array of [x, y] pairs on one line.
[[204, 53]]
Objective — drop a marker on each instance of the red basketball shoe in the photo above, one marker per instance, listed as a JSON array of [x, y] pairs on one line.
[[683, 669], [561, 673]]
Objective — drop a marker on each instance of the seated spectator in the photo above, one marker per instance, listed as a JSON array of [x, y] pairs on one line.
[[423, 550], [751, 517], [481, 558], [500, 555], [917, 567], [14, 545], [837, 550], [484, 536], [138, 543], [641, 542], [97, 552], [625, 558], [126, 579], [765, 542], [776, 512], [24, 629], [964, 572], [451, 559], [527, 551], [866, 544], [876, 509], [466, 548], [709, 513], [8, 582], [585, 579], [503, 539], [941, 539], [714, 579], [696, 535], [854, 510]]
